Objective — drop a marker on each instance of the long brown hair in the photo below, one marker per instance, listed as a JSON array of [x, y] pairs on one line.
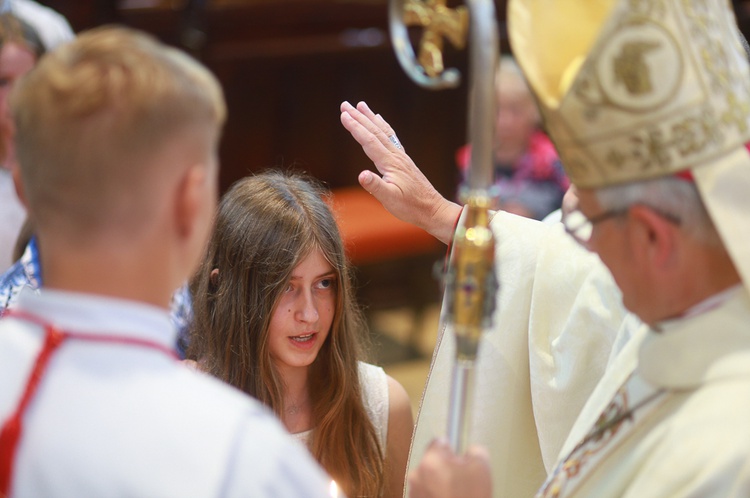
[[265, 226]]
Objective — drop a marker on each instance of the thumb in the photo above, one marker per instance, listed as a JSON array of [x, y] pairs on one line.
[[373, 184], [477, 452]]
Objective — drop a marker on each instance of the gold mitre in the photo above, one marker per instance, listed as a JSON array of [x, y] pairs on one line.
[[634, 89]]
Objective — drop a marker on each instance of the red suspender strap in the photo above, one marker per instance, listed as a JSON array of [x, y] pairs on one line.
[[11, 432], [13, 426]]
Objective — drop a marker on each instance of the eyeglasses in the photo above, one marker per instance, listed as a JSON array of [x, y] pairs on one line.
[[581, 228]]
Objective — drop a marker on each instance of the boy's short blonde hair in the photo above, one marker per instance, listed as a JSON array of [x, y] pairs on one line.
[[93, 113]]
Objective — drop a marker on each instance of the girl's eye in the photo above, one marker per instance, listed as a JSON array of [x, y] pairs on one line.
[[326, 283]]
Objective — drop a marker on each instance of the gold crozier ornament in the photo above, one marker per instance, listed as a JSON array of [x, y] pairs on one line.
[[438, 21]]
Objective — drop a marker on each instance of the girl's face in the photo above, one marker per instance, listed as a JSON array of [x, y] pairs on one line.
[[303, 316]]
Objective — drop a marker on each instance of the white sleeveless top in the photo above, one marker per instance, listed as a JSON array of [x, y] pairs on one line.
[[374, 384]]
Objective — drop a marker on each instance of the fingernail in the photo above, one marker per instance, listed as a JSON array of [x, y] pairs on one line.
[[365, 177], [364, 104]]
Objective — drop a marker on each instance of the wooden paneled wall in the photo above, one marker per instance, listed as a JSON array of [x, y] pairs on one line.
[[286, 65]]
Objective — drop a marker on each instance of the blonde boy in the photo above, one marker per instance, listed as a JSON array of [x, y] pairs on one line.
[[116, 139]]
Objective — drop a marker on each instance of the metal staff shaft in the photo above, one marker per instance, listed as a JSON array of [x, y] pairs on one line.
[[473, 296], [471, 283], [472, 288], [459, 416]]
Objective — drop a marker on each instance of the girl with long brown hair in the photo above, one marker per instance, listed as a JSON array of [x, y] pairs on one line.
[[275, 317]]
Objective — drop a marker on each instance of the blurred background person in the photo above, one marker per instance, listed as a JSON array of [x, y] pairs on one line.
[[27, 30], [527, 170], [51, 27], [20, 48]]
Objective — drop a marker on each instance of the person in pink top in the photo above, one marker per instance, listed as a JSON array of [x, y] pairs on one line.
[[528, 174]]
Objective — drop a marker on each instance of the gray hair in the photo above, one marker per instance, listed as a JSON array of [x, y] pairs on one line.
[[668, 195]]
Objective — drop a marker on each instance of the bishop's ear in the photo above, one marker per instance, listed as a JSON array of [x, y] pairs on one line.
[[655, 234]]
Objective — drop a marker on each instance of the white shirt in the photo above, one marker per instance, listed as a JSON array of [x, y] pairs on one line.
[[121, 420]]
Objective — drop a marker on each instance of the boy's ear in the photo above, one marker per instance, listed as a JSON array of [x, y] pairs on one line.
[[190, 199]]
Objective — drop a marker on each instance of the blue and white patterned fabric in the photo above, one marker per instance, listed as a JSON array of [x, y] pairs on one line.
[[26, 272]]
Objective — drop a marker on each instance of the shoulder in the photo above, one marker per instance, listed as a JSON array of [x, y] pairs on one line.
[[369, 371], [542, 145], [377, 384], [374, 384], [400, 416], [399, 403]]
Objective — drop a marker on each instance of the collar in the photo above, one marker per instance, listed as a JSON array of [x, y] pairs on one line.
[[99, 315], [30, 262], [710, 343]]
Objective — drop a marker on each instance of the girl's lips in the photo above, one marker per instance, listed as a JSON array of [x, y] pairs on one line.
[[304, 341]]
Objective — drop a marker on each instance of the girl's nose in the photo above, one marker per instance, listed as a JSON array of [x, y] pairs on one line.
[[308, 309]]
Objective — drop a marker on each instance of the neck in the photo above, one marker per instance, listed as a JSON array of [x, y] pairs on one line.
[[297, 411], [120, 270], [295, 385], [712, 274]]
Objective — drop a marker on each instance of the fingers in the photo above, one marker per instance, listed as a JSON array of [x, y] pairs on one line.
[[361, 130], [372, 123], [476, 452], [387, 194], [368, 180], [366, 119], [431, 478], [372, 183], [440, 446], [377, 119]]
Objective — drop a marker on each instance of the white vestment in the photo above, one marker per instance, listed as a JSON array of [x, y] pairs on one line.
[[691, 436], [558, 319], [125, 420]]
